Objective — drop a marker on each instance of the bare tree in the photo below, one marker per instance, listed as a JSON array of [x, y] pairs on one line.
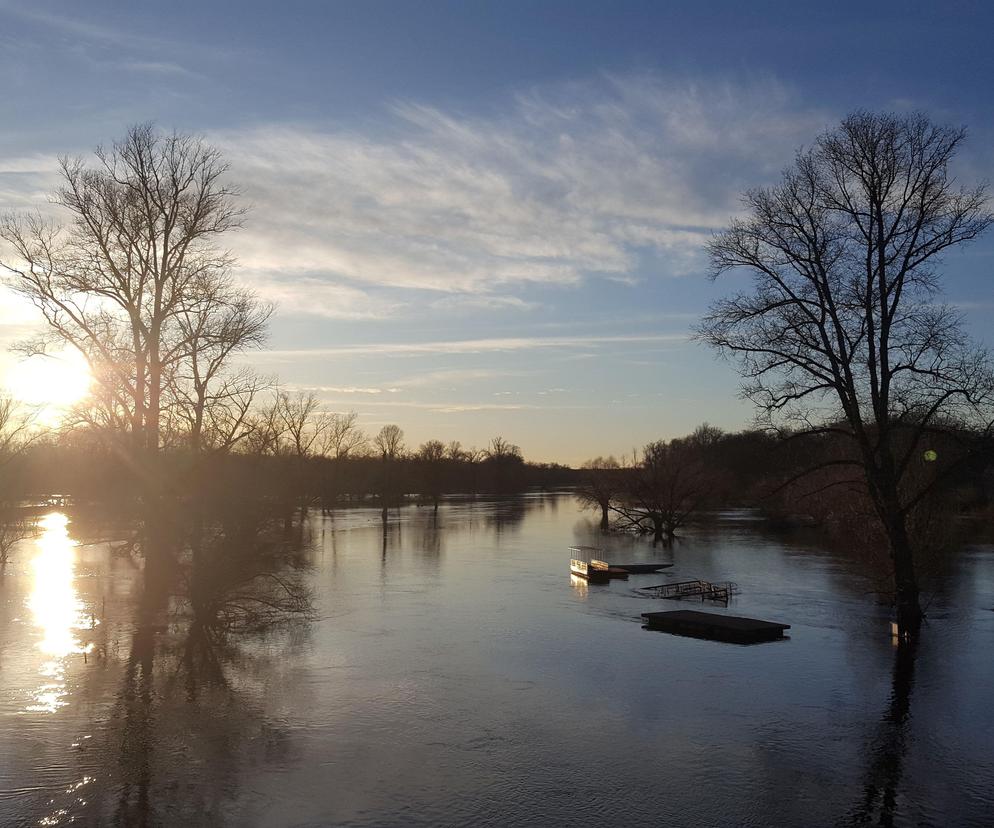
[[210, 399], [266, 429], [603, 482], [432, 456], [17, 433], [343, 438], [504, 464], [474, 455], [500, 449], [16, 428], [389, 442], [13, 529], [842, 324], [664, 490], [303, 422], [142, 225]]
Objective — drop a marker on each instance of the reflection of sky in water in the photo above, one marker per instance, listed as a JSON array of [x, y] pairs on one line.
[[55, 608], [457, 670]]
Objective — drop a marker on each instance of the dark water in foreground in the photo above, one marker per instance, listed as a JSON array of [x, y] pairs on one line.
[[451, 674]]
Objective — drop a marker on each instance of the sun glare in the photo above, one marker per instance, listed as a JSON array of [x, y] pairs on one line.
[[52, 382]]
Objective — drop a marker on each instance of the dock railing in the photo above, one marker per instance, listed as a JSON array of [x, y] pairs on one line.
[[705, 590]]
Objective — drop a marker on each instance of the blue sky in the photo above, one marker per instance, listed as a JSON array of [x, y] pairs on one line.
[[482, 218]]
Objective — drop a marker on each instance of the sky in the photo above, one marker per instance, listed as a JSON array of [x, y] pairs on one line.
[[489, 218]]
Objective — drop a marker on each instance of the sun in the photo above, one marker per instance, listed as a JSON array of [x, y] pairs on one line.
[[52, 382]]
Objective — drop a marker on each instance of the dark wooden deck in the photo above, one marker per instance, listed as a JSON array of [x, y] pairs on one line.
[[642, 568], [612, 571], [713, 626]]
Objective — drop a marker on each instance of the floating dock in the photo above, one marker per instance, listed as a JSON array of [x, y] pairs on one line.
[[582, 569], [612, 571], [642, 568], [594, 554], [711, 625]]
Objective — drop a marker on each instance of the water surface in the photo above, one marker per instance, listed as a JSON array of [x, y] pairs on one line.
[[449, 672]]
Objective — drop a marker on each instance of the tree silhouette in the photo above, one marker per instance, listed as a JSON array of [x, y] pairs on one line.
[[842, 332]]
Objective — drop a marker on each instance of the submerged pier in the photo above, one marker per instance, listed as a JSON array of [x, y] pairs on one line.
[[697, 588]]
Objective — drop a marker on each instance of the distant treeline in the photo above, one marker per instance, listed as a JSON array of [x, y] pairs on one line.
[[92, 471], [654, 491], [809, 477]]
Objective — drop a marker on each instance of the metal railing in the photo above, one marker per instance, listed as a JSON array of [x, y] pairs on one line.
[[705, 590]]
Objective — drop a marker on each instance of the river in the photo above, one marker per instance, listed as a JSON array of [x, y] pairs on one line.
[[446, 670]]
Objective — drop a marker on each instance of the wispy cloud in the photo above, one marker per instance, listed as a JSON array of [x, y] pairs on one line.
[[449, 377], [481, 302], [305, 294], [334, 389], [449, 407], [84, 30], [564, 184], [471, 346], [158, 67]]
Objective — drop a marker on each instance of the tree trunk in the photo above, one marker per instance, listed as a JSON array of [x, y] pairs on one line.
[[906, 593], [605, 524], [657, 530], [909, 611], [152, 415]]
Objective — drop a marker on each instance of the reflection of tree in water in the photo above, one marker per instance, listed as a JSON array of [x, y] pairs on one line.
[[431, 536], [883, 774], [185, 706], [390, 538], [507, 515]]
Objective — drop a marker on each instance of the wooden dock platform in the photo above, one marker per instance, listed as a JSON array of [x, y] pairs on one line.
[[612, 571], [711, 625], [642, 568]]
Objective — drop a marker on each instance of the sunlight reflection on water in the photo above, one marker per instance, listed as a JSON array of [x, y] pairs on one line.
[[448, 674], [579, 585], [56, 610]]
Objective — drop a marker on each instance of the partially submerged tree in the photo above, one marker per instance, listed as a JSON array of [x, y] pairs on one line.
[[843, 324], [504, 462], [432, 458], [603, 482], [389, 443], [664, 489]]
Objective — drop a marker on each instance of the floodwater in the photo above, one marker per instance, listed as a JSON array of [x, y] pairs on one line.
[[447, 671]]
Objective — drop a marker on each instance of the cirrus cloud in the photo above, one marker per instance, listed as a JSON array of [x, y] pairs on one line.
[[564, 184]]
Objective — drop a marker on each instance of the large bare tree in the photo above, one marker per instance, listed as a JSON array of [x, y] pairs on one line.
[[142, 231], [842, 330]]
